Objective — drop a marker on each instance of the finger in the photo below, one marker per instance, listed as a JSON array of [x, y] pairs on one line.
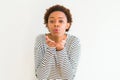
[[51, 44], [49, 41], [63, 41], [46, 37]]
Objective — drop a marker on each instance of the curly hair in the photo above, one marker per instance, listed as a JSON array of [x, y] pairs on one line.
[[58, 8]]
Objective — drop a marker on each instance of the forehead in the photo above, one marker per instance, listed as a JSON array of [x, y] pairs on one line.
[[57, 14]]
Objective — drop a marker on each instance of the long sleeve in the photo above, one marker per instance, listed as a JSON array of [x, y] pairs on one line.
[[68, 60], [44, 58], [52, 64]]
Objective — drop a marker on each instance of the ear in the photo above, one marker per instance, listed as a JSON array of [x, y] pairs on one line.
[[68, 25]]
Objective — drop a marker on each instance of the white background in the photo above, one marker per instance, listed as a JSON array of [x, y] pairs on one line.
[[95, 22]]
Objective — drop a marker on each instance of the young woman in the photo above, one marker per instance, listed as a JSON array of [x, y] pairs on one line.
[[56, 52]]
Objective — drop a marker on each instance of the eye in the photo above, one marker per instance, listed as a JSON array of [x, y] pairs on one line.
[[51, 21], [61, 21]]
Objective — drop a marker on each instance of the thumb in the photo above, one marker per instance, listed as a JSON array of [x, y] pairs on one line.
[[46, 37], [63, 41]]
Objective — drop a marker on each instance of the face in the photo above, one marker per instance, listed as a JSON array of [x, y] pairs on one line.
[[57, 23]]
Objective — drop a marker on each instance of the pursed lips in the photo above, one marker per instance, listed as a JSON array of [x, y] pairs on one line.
[[56, 30]]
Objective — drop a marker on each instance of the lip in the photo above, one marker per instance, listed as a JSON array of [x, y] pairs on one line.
[[56, 30]]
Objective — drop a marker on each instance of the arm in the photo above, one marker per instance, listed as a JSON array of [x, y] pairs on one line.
[[68, 60], [43, 60]]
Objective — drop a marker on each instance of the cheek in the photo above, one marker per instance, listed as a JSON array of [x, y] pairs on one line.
[[63, 29], [49, 26]]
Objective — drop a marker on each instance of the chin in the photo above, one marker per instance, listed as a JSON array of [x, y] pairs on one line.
[[57, 34]]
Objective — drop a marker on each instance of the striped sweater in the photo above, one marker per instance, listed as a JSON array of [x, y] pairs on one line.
[[56, 65]]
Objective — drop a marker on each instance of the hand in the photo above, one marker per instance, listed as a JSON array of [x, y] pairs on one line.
[[50, 42], [59, 45]]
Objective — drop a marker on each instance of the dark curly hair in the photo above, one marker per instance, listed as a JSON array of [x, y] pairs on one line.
[[58, 8]]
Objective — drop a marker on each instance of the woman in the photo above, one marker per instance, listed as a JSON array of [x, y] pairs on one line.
[[56, 52]]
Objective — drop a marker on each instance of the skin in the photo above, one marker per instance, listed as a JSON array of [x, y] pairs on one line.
[[57, 25]]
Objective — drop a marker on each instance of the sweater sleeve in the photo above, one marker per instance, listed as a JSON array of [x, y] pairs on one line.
[[68, 60], [43, 60]]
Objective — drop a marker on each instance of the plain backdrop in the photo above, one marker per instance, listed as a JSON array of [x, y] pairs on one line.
[[95, 22]]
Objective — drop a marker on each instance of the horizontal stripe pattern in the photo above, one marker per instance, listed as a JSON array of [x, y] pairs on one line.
[[56, 65]]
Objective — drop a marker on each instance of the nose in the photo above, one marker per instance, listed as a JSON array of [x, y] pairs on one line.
[[56, 24]]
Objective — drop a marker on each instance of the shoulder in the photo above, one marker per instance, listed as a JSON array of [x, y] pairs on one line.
[[73, 42], [39, 37], [39, 40], [74, 38]]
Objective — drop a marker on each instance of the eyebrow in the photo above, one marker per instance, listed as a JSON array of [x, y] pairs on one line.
[[58, 17]]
